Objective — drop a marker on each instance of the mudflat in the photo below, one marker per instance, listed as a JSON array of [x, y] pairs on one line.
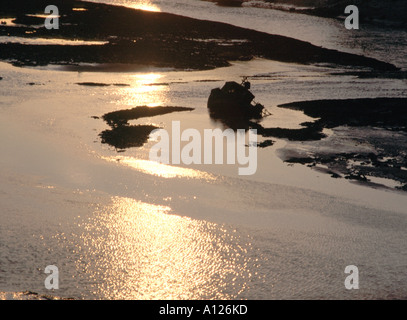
[[131, 36]]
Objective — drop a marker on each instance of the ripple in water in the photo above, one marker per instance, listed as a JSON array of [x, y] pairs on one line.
[[136, 250]]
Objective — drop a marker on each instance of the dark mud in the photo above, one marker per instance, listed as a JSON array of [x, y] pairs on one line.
[[311, 131], [100, 84], [370, 74], [381, 132], [387, 113], [387, 163], [121, 117], [30, 295], [265, 144], [376, 148], [153, 38], [122, 135], [228, 3]]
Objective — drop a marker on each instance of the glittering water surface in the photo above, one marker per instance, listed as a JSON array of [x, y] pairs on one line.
[[145, 252]]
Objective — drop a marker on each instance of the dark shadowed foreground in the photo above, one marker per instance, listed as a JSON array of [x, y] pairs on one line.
[[132, 36]]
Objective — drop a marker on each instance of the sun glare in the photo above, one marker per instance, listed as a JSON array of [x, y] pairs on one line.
[[146, 6], [162, 170], [146, 90], [145, 252]]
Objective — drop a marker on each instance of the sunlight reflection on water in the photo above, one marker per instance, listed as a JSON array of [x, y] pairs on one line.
[[162, 170], [145, 5], [136, 250], [145, 90]]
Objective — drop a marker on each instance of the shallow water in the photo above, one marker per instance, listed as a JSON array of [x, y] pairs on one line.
[[121, 227]]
